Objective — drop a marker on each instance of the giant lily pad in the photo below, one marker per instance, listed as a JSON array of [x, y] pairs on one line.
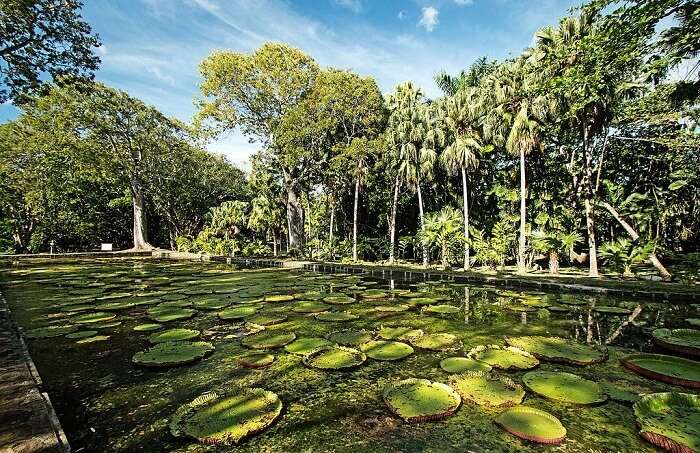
[[565, 387], [350, 337], [268, 340], [211, 303], [237, 313], [310, 307], [505, 358], [463, 364], [440, 309], [557, 349], [420, 400], [532, 424], [400, 333], [339, 299], [302, 346], [670, 420], [167, 314], [374, 294], [279, 298], [396, 308], [485, 390], [50, 331], [665, 368], [97, 316], [267, 319], [226, 417], [81, 334], [147, 327], [438, 342], [386, 350], [256, 360], [172, 353], [685, 341], [336, 316], [334, 358], [173, 335]]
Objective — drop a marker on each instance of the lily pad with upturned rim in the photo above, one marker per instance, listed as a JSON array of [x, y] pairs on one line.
[[558, 349], [532, 424], [93, 339], [167, 314], [386, 350], [256, 360], [267, 319], [670, 420], [339, 299], [237, 312], [420, 400], [565, 387], [374, 294], [334, 358], [350, 337], [400, 333], [665, 368], [173, 335], [302, 346], [79, 335], [226, 417], [172, 353], [89, 318], [268, 340], [504, 358], [685, 341], [310, 307], [50, 331], [441, 309], [211, 303], [463, 364], [486, 390], [148, 327], [279, 298], [438, 342], [336, 316]]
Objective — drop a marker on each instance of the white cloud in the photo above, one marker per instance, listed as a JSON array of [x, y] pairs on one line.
[[353, 5], [464, 2], [429, 18], [401, 15]]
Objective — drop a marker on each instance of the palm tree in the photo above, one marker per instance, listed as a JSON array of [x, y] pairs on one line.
[[462, 115], [412, 139], [515, 121], [228, 218], [443, 230]]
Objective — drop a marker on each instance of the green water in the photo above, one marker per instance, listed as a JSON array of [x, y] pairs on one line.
[[107, 404]]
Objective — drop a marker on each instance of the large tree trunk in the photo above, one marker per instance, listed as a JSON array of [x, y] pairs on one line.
[[465, 196], [295, 220], [354, 220], [554, 262], [523, 212], [665, 274], [420, 212], [274, 243], [140, 221], [588, 203], [392, 220], [330, 229]]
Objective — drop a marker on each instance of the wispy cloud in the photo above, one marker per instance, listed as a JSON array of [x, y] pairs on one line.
[[464, 2], [429, 18], [401, 15], [353, 5]]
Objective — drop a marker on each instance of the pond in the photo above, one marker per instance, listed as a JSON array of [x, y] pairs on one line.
[[92, 320]]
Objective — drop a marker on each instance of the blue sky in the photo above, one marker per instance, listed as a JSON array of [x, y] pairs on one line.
[[151, 48]]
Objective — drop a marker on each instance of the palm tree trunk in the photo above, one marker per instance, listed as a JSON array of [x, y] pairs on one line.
[[523, 212], [354, 220], [420, 212], [392, 222], [665, 274], [588, 204], [330, 229], [274, 243], [465, 196]]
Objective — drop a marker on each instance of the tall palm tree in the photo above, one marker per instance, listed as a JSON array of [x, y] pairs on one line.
[[462, 116], [515, 121], [408, 130]]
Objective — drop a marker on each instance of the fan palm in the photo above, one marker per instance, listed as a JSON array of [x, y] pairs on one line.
[[462, 115], [443, 230]]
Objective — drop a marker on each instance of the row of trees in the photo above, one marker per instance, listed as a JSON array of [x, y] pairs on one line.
[[586, 123]]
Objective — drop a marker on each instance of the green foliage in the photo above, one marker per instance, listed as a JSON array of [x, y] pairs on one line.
[[493, 251], [443, 231], [625, 254]]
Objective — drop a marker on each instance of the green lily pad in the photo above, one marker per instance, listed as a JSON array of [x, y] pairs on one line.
[[440, 309], [620, 394], [485, 390], [310, 307], [226, 417], [463, 365], [397, 308], [336, 316], [211, 303], [665, 368], [106, 325], [685, 341], [350, 337], [174, 296], [417, 301], [172, 353], [612, 310], [420, 400], [340, 299], [279, 298], [167, 314], [670, 421], [268, 340], [148, 327], [115, 306], [98, 316], [334, 358], [50, 331], [256, 360], [438, 342], [77, 308], [400, 333], [267, 320], [532, 424], [173, 335], [237, 312], [374, 294], [504, 358], [386, 350], [81, 334], [564, 387], [302, 346], [93, 339], [557, 349]]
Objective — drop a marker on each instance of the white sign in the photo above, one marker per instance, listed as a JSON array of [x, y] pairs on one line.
[[106, 247]]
